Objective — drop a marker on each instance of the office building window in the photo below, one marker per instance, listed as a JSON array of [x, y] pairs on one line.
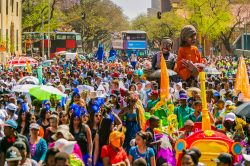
[[16, 8], [17, 40], [7, 40], [7, 7], [12, 6]]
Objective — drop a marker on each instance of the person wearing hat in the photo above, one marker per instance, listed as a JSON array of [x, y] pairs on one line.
[[229, 105], [182, 110], [53, 121], [13, 156], [38, 146], [229, 124], [224, 159], [11, 136], [82, 134], [166, 47], [11, 109], [113, 153], [188, 54], [63, 133], [188, 129], [26, 161]]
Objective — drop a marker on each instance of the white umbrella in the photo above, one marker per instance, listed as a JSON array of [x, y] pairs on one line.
[[212, 71], [23, 88], [29, 80], [85, 87]]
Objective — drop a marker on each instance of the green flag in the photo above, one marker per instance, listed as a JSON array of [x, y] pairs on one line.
[[40, 74]]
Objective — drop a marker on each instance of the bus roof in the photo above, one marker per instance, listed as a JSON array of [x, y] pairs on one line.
[[134, 31], [74, 33]]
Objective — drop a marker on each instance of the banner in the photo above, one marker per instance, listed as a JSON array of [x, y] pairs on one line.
[[40, 74]]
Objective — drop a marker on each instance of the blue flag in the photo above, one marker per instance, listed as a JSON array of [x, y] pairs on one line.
[[100, 53]]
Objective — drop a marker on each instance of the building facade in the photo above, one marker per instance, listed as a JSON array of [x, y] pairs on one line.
[[155, 7], [10, 28]]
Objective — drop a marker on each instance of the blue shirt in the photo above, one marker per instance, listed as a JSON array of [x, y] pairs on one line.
[[147, 155]]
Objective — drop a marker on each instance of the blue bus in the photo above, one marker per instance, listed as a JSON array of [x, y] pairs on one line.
[[131, 41]]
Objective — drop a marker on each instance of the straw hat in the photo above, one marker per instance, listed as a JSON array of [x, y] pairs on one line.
[[64, 130]]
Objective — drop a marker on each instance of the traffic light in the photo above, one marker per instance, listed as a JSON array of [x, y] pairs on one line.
[[159, 15], [83, 16]]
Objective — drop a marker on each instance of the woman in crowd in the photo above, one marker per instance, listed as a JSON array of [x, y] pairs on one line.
[[26, 161], [53, 121], [50, 157], [190, 157], [141, 150], [132, 119], [63, 133], [82, 135], [38, 146], [113, 153], [44, 118], [23, 122], [63, 118]]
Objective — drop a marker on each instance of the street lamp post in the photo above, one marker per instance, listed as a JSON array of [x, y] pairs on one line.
[[49, 30]]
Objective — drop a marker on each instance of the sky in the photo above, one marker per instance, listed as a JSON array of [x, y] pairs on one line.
[[133, 8]]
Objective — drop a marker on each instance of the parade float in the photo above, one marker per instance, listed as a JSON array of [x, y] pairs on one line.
[[209, 141]]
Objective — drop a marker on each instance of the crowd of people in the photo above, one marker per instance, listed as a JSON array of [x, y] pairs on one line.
[[108, 116]]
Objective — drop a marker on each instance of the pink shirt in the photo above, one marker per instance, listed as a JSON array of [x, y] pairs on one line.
[[76, 150]]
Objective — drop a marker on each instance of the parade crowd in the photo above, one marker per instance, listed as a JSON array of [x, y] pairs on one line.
[[109, 115]]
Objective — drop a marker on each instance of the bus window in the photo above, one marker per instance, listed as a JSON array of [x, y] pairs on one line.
[[61, 37], [71, 37], [78, 37]]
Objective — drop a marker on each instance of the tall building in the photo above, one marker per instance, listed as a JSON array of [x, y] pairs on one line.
[[10, 28], [156, 4], [155, 7]]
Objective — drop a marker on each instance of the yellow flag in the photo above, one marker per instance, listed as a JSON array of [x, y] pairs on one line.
[[164, 87], [242, 82], [6, 67], [77, 56], [28, 67]]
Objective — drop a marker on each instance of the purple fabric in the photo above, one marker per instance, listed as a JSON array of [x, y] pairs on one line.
[[167, 155], [32, 149]]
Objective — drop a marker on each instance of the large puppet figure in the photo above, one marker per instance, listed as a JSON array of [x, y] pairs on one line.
[[189, 59]]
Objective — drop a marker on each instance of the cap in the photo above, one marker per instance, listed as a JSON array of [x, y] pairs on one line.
[[154, 93], [11, 107], [11, 123], [13, 154], [34, 126], [246, 157], [183, 96], [228, 103], [20, 145], [216, 94], [230, 116], [53, 116], [225, 158]]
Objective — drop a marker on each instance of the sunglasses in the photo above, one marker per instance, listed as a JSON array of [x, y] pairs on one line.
[[98, 115], [34, 129]]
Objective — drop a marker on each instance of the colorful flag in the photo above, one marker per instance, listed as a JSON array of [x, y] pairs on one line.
[[164, 89], [242, 82], [40, 74], [28, 67]]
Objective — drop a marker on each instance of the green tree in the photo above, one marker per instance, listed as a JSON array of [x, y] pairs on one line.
[[95, 20], [168, 26], [240, 9], [210, 17], [36, 12]]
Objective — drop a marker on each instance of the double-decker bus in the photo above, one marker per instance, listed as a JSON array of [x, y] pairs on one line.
[[130, 41], [59, 41]]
